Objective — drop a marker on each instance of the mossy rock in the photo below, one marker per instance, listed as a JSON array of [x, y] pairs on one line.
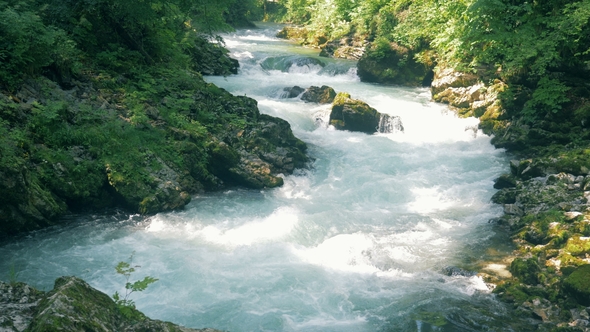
[[353, 115], [505, 181], [577, 245], [526, 270], [321, 95], [390, 63], [577, 284], [73, 305]]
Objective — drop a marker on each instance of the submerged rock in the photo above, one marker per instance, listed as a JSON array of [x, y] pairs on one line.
[[289, 62], [320, 95]]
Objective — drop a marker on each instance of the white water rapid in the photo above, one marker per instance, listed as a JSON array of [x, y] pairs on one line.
[[357, 242]]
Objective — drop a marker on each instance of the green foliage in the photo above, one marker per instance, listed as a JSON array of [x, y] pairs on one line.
[[549, 97], [12, 274], [125, 304], [27, 46]]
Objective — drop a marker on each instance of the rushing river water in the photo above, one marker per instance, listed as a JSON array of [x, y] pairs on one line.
[[357, 242]]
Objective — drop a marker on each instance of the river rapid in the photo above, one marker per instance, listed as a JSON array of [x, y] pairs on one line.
[[356, 242]]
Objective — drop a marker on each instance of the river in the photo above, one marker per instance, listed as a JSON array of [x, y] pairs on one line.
[[356, 242]]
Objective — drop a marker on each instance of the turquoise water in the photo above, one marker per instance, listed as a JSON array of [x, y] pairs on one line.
[[357, 242]]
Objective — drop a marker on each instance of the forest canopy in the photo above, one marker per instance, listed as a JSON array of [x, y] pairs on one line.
[[61, 37]]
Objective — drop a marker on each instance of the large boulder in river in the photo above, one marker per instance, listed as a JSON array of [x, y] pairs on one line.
[[390, 63], [354, 115], [320, 95]]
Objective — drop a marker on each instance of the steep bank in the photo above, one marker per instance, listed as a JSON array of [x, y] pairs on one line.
[[104, 105], [146, 144]]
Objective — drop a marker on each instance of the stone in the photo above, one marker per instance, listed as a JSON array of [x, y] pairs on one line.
[[453, 271], [320, 95], [526, 270], [577, 284], [17, 305], [505, 181], [353, 115], [513, 209], [292, 92], [73, 305]]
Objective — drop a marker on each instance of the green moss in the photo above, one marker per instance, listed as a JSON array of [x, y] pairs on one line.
[[526, 270], [578, 246], [577, 284]]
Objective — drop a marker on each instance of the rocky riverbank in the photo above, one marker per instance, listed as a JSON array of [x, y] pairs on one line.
[[143, 141], [545, 199], [72, 305]]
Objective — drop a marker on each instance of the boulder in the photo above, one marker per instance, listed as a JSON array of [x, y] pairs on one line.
[[320, 95], [526, 270], [354, 115], [298, 34], [17, 305], [345, 48], [256, 156], [577, 284], [390, 63], [292, 92], [467, 94], [73, 305], [505, 181]]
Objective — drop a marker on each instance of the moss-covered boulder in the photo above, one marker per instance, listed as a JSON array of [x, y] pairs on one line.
[[351, 48], [526, 270], [73, 305], [391, 63], [354, 115], [577, 284], [320, 95]]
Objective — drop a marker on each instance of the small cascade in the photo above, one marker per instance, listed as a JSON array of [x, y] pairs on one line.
[[389, 124], [321, 118]]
